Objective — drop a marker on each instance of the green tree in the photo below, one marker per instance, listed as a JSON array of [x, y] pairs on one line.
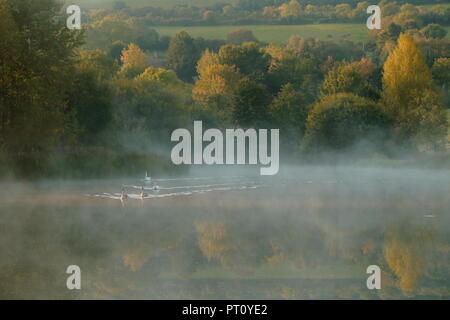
[[36, 66], [96, 61], [392, 32], [250, 104], [116, 49], [248, 58], [288, 112], [240, 36], [90, 96], [341, 121], [182, 56], [434, 31], [287, 66], [352, 77], [146, 111], [441, 74], [441, 71]]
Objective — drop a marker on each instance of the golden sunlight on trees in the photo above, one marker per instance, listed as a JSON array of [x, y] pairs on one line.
[[216, 85], [167, 77], [134, 55], [410, 97], [134, 60]]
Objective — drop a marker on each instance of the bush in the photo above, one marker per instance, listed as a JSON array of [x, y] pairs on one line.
[[240, 36], [434, 31], [344, 120]]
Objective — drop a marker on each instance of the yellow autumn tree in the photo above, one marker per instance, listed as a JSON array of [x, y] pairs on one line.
[[216, 84], [278, 54], [134, 60], [410, 97], [291, 9]]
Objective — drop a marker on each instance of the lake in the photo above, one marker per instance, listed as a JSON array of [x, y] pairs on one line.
[[307, 233]]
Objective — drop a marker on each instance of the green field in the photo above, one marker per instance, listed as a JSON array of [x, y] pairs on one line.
[[277, 33], [87, 4], [432, 5]]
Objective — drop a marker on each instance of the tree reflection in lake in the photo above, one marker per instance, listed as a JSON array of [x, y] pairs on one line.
[[308, 234]]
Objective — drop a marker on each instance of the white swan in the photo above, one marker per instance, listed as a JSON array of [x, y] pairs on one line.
[[147, 179]]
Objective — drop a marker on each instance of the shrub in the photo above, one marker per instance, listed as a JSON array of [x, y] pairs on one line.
[[341, 121]]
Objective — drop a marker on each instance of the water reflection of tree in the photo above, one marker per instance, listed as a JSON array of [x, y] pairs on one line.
[[236, 246], [407, 250]]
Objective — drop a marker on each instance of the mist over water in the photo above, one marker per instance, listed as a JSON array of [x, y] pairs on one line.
[[307, 233]]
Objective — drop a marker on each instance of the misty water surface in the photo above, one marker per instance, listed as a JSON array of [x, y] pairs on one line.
[[307, 233]]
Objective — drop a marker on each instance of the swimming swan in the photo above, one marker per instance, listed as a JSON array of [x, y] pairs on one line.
[[123, 195], [143, 194]]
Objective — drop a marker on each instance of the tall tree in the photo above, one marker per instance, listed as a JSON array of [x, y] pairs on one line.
[[250, 105], [215, 89], [410, 97], [90, 96], [288, 112], [441, 74], [182, 56], [36, 65]]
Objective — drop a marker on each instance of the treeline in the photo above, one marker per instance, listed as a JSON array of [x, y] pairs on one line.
[[276, 12], [257, 4], [71, 112]]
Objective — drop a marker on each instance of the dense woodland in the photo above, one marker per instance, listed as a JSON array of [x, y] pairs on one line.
[[276, 12], [103, 101]]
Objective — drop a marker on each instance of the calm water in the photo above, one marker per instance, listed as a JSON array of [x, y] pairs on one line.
[[307, 233]]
